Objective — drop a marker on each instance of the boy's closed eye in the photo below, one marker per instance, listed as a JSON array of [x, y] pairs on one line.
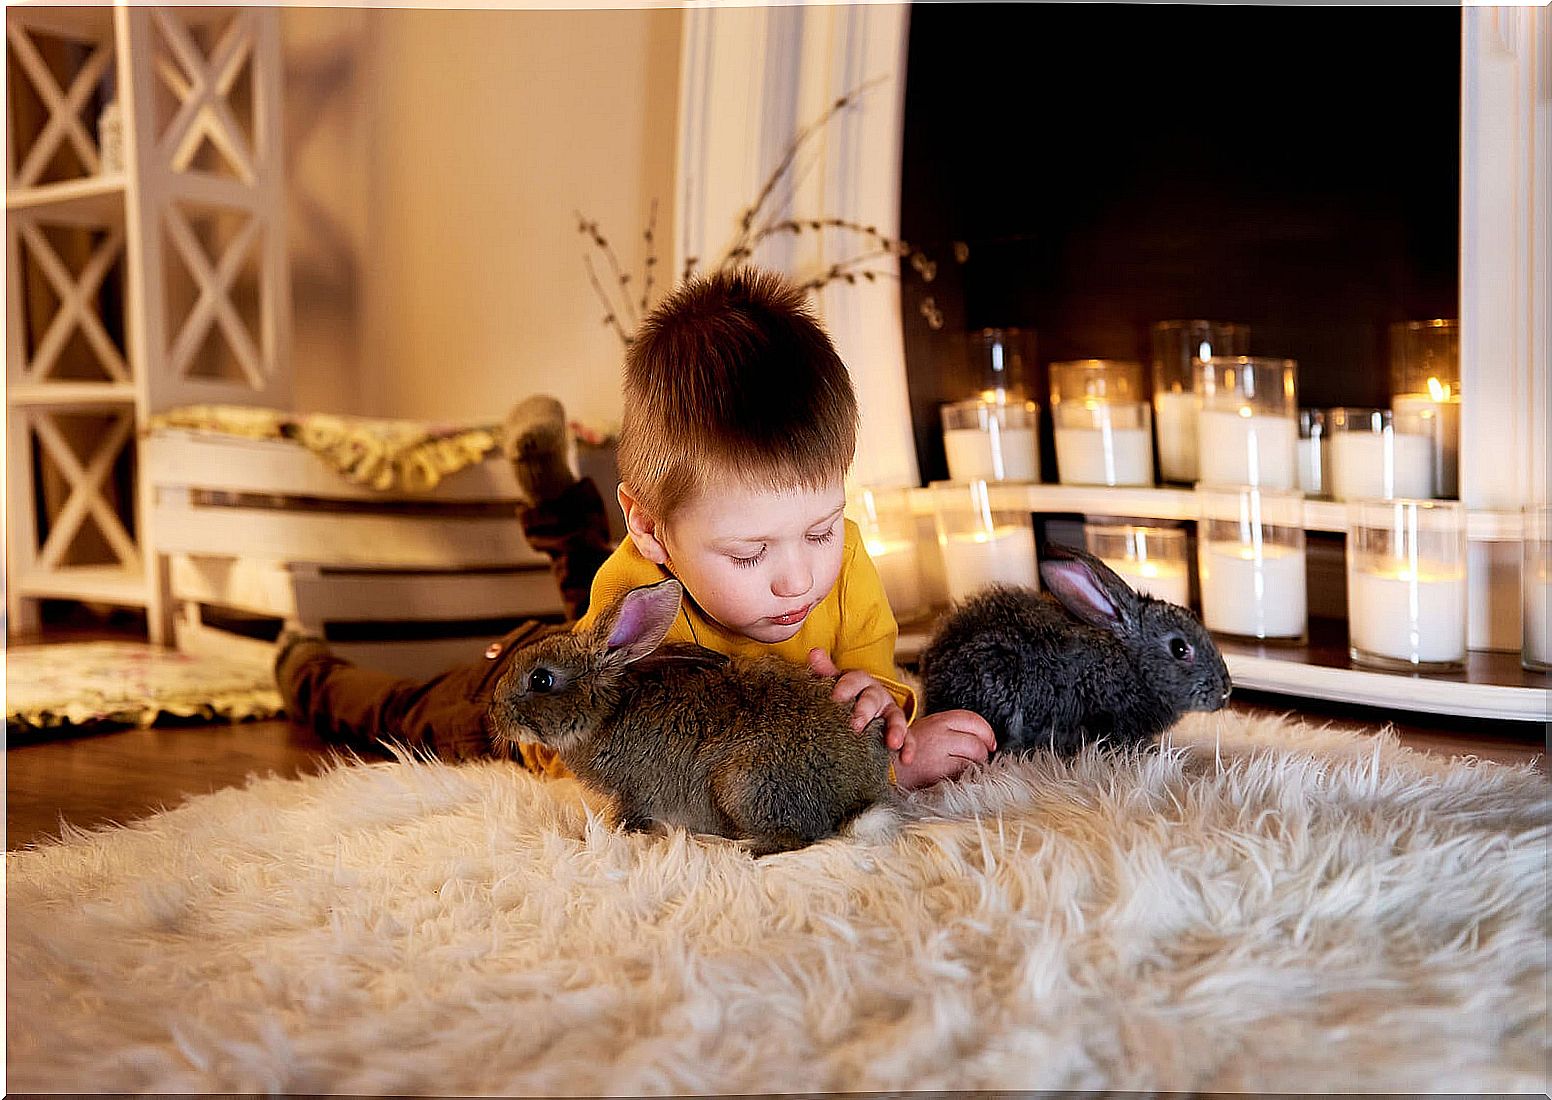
[[749, 561]]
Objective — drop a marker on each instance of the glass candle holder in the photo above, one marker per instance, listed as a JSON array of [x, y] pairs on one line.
[[1425, 383], [1377, 454], [982, 545], [1536, 585], [1103, 425], [992, 441], [1250, 561], [1000, 361], [1178, 349], [1314, 453], [1248, 428], [884, 517], [1153, 560], [1406, 584]]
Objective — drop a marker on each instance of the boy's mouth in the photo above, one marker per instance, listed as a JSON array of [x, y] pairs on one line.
[[792, 616]]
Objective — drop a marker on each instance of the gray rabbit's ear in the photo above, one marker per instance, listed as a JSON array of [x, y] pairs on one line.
[[642, 619], [1083, 588]]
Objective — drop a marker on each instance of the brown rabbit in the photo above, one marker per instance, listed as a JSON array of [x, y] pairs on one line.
[[749, 748]]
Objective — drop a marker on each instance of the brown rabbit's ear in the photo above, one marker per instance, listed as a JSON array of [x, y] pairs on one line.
[[639, 623], [1089, 589]]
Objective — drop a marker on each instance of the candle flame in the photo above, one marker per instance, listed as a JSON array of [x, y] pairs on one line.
[[1439, 391], [1244, 410]]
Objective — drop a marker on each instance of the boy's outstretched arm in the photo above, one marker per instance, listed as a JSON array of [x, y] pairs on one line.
[[935, 747]]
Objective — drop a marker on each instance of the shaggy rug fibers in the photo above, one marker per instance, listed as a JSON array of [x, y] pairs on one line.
[[1260, 906]]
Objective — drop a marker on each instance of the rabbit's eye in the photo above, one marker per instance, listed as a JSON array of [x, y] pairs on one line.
[[1179, 649], [541, 680]]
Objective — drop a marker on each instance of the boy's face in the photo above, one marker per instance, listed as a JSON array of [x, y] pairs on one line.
[[758, 561]]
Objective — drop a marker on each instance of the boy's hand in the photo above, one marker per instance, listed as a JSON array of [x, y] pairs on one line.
[[947, 743], [871, 699]]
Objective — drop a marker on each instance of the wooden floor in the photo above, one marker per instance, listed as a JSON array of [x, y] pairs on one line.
[[118, 776]]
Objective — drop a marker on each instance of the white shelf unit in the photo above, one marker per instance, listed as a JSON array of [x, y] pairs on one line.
[[1493, 687], [135, 286]]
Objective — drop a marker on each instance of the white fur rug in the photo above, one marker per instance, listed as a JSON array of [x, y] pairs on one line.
[[1262, 906]]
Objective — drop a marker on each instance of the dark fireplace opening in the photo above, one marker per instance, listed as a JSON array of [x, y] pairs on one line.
[[1086, 170]]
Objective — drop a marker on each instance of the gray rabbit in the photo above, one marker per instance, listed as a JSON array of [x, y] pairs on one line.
[[746, 748], [1099, 662]]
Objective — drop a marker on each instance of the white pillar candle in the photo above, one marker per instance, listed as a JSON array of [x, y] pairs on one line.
[[1537, 601], [1444, 414], [1255, 592], [1104, 456], [1237, 447], [1164, 580], [974, 559], [1176, 418], [1314, 465], [999, 454], [1381, 464], [1408, 617], [895, 560]]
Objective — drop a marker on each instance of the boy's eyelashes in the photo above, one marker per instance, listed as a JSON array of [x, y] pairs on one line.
[[753, 560]]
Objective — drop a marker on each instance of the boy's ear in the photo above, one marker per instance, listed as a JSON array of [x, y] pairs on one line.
[[643, 527]]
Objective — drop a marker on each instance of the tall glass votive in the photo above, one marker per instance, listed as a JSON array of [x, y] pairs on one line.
[[1153, 560], [1406, 584], [982, 544], [1536, 586], [1178, 349], [1248, 428], [1376, 453], [1425, 383], [1250, 561], [1103, 425], [992, 441], [1000, 363], [883, 515], [1314, 453]]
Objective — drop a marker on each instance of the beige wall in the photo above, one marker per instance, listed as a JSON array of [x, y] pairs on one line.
[[449, 155]]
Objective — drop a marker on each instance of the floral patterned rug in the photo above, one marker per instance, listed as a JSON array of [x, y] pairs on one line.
[[53, 690]]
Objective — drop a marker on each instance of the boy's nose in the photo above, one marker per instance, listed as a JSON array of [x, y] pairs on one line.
[[794, 580]]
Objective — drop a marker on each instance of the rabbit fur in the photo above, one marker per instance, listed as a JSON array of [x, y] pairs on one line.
[[748, 748], [1094, 661]]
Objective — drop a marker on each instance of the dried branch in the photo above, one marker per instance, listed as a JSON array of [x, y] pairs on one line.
[[877, 246], [648, 264], [804, 136], [611, 318]]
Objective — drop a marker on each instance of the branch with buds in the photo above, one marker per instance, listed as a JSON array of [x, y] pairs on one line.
[[623, 307]]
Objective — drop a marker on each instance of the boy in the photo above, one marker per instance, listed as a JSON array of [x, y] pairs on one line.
[[740, 422]]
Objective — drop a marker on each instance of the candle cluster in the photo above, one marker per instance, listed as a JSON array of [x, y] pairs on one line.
[[1230, 424]]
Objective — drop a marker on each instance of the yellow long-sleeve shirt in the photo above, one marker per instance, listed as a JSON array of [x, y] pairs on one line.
[[853, 622]]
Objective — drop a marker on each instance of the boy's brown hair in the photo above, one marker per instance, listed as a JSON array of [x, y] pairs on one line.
[[732, 372]]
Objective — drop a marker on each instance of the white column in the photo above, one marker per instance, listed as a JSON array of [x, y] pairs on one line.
[[1505, 288]]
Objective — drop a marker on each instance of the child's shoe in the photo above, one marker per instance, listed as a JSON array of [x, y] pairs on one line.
[[537, 443]]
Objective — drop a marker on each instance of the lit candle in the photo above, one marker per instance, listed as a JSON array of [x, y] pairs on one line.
[[1176, 412], [1164, 580], [1314, 464], [1406, 616], [974, 559], [1440, 409], [1381, 464], [997, 454], [1104, 454], [1537, 653], [1253, 590], [896, 563], [1535, 582], [1242, 447]]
